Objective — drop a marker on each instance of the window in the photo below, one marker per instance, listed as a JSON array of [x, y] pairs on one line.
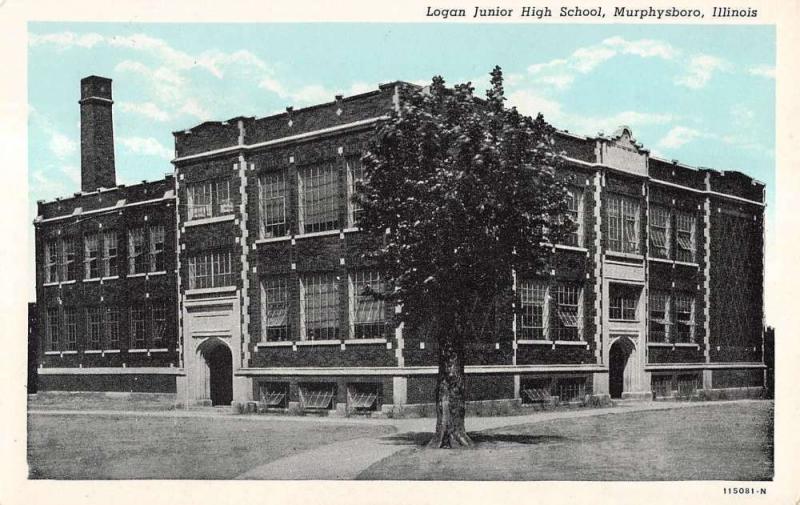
[[659, 317], [533, 305], [320, 303], [52, 329], [112, 327], [575, 211], [622, 214], [369, 319], [70, 329], [91, 260], [623, 302], [567, 322], [51, 261], [110, 254], [137, 261], [275, 306], [138, 336], [210, 270], [659, 232], [208, 199], [94, 327], [69, 267], [157, 248], [684, 318], [355, 174], [319, 198], [272, 205], [159, 327], [685, 237]]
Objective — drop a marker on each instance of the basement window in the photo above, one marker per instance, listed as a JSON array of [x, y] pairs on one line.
[[273, 395], [363, 397], [661, 385], [534, 391], [571, 389], [317, 396], [687, 385]]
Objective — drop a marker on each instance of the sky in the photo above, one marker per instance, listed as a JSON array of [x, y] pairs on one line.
[[704, 95]]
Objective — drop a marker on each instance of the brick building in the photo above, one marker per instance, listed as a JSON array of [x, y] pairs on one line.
[[659, 292]]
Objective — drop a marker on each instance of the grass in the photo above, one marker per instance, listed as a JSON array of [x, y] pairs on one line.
[[714, 442], [123, 447]]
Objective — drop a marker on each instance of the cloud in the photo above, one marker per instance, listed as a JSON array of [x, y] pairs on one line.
[[530, 102], [561, 72], [65, 40], [766, 71], [678, 136], [742, 115], [146, 109], [61, 145], [147, 146], [700, 69]]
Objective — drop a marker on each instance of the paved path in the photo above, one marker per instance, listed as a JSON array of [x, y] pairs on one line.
[[347, 459]]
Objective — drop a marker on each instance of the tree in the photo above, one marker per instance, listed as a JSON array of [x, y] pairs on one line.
[[459, 193]]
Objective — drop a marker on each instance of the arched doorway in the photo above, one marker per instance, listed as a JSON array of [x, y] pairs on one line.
[[618, 358], [219, 361]]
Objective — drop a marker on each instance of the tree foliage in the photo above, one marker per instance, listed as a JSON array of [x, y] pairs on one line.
[[461, 192]]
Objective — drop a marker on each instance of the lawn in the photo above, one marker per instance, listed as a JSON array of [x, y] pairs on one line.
[[717, 441], [131, 447]]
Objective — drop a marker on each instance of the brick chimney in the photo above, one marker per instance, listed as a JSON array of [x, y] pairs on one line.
[[97, 134]]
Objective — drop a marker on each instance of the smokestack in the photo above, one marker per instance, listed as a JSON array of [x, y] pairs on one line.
[[97, 134]]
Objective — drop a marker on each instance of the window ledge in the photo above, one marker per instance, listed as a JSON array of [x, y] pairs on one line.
[[312, 234], [660, 260], [659, 344], [623, 320], [581, 343], [111, 278], [137, 350], [110, 351], [206, 291], [92, 351], [140, 274], [270, 240], [73, 281], [318, 342], [160, 272], [52, 353], [277, 343], [572, 248], [687, 264], [352, 229], [93, 279], [535, 342], [210, 220], [365, 341], [69, 352], [50, 284], [686, 344], [615, 254], [160, 349]]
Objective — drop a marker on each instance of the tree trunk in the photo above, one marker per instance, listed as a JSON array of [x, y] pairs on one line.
[[450, 398]]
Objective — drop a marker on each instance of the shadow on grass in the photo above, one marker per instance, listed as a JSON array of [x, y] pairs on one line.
[[482, 440]]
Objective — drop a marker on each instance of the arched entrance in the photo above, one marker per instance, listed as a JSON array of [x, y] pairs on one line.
[[618, 361], [219, 361]]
